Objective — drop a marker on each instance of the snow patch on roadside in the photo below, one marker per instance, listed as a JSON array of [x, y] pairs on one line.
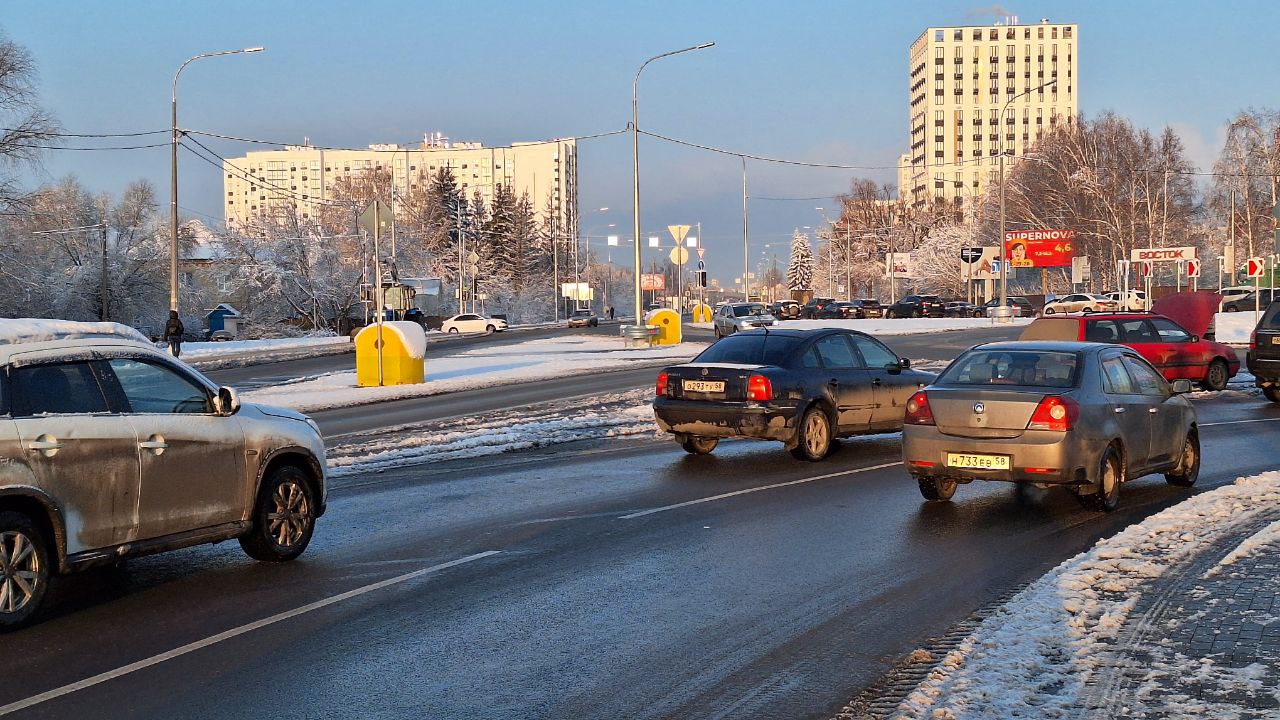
[[477, 368], [887, 326], [1269, 535], [1034, 656], [205, 350]]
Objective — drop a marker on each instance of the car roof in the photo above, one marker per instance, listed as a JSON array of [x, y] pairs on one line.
[[70, 346], [795, 332], [1045, 345]]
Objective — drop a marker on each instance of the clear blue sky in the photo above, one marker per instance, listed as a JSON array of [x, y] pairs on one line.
[[822, 81]]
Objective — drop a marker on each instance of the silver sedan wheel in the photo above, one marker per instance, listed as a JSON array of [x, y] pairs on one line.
[[289, 521], [19, 571]]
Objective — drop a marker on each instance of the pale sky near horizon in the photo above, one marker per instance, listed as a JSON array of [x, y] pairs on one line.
[[815, 81]]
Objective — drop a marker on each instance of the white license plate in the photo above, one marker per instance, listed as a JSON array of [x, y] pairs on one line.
[[703, 386], [1275, 340], [978, 462]]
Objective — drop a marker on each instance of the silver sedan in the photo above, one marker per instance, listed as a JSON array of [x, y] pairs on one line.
[[733, 317], [1087, 416]]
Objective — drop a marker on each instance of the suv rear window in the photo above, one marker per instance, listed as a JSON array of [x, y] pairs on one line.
[[1027, 368], [762, 349], [1270, 317]]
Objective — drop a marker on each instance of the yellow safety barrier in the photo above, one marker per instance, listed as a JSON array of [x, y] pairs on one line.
[[404, 345], [668, 324], [702, 313]]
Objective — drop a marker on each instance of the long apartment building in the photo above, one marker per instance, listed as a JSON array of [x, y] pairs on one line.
[[300, 178], [963, 81]]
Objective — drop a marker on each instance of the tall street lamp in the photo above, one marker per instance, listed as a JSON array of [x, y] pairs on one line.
[[1001, 314], [635, 168], [173, 169]]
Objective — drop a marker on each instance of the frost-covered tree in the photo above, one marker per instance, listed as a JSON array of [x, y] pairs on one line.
[[800, 270], [23, 124]]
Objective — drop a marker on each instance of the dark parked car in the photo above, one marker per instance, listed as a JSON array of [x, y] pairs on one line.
[[960, 308], [810, 309], [800, 387], [1086, 416], [1263, 358], [914, 306], [868, 308], [838, 310], [1022, 306], [1250, 301], [785, 310]]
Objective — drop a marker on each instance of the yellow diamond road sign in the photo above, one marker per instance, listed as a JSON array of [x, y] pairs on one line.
[[678, 232]]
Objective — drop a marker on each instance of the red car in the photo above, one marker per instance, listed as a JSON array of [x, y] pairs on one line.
[[1175, 352]]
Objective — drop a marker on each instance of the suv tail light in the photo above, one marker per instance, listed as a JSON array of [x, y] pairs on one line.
[[1253, 340], [759, 388], [661, 390], [1054, 413], [918, 410]]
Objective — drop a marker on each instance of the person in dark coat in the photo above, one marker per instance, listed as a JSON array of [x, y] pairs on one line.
[[173, 331], [610, 312]]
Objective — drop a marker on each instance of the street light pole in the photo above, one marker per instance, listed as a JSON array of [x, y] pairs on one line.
[[1004, 262], [173, 168], [635, 168]]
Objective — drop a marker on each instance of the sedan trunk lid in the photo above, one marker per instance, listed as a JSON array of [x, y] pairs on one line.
[[983, 413]]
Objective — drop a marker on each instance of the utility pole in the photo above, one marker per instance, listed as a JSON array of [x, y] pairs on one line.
[[746, 236]]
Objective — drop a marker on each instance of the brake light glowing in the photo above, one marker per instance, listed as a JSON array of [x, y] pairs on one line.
[[759, 388], [1054, 413], [918, 410], [661, 390]]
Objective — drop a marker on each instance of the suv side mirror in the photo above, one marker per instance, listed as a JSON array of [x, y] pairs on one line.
[[228, 402], [1181, 386], [904, 363]]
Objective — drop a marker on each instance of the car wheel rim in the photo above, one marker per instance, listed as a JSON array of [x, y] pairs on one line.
[[288, 522], [815, 433], [1110, 480], [1217, 375], [19, 571], [1190, 459]]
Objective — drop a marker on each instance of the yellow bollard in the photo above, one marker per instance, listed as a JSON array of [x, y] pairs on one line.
[[668, 324], [702, 313], [404, 346]]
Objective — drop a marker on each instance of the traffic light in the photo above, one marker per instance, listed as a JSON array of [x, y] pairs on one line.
[[702, 278]]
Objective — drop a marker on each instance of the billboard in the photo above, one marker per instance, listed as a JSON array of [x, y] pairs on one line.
[[1039, 248], [653, 281], [577, 291], [1163, 254], [980, 263], [899, 265]]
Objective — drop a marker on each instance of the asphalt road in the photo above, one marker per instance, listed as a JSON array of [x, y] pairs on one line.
[[610, 579]]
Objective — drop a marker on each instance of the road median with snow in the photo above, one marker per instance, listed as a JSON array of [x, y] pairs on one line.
[[887, 326]]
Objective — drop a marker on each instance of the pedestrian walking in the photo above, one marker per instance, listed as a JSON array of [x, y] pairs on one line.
[[173, 331], [610, 312]]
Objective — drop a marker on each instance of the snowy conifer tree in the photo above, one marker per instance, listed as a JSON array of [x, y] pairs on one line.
[[800, 271]]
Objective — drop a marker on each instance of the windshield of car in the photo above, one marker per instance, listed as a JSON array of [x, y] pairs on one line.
[[1031, 368], [749, 310], [753, 349]]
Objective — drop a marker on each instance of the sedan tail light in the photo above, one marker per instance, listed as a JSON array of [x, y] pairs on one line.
[[1054, 413], [661, 390], [918, 410], [759, 388]]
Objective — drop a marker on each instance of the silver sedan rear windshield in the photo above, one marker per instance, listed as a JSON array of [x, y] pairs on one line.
[[1027, 368]]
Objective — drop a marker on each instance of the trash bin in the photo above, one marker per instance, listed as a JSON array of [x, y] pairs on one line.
[[668, 324], [404, 345], [639, 336]]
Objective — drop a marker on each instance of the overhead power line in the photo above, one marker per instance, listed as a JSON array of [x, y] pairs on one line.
[[90, 135], [259, 141], [92, 149]]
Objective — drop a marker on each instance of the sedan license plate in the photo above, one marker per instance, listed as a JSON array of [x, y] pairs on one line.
[[703, 386], [978, 462]]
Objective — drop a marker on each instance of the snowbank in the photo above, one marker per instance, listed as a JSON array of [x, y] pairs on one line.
[[485, 366], [201, 350], [1234, 328], [1047, 649], [888, 326], [24, 330]]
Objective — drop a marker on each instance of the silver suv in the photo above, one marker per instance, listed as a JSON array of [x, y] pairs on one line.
[[110, 449]]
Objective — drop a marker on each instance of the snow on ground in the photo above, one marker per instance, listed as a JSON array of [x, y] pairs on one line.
[[615, 415], [203, 350], [1241, 385], [1268, 535], [480, 367], [1036, 656], [888, 326], [1234, 328]]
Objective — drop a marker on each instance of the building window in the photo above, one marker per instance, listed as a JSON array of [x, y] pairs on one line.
[[1066, 32], [958, 35], [937, 36], [1055, 33]]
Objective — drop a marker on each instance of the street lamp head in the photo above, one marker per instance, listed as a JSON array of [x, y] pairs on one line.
[[704, 46], [257, 48]]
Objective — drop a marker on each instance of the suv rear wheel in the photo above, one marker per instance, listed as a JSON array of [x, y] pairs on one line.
[[283, 518], [24, 569], [1272, 392]]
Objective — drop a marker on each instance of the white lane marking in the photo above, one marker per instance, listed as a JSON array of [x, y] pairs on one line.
[[1238, 422], [234, 632], [746, 491]]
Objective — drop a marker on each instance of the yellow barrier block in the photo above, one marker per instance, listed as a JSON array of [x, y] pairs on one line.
[[404, 347], [702, 313], [668, 324]]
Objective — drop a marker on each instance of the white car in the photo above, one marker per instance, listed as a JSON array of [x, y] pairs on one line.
[[473, 323], [1135, 300], [1078, 302]]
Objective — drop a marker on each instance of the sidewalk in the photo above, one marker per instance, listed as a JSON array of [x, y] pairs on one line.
[[1174, 617]]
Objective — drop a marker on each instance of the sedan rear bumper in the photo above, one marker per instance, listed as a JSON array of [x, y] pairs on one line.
[[721, 420], [1037, 456]]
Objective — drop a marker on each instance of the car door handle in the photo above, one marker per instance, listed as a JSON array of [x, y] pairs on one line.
[[1153, 411], [875, 381], [155, 444], [1120, 410], [43, 445]]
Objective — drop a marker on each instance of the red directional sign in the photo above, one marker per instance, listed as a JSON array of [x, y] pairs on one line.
[[1255, 267], [1144, 269], [1193, 268]]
